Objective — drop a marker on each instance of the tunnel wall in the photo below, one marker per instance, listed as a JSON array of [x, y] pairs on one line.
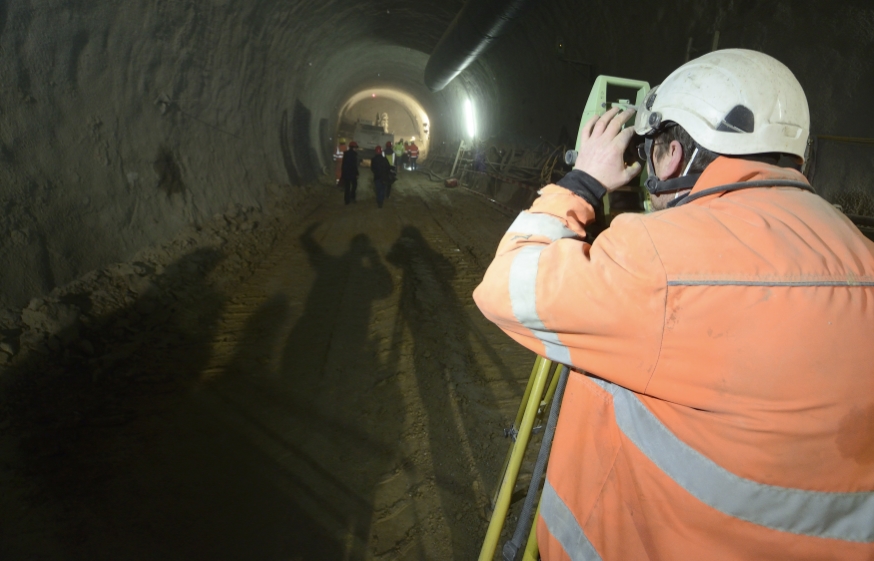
[[121, 123]]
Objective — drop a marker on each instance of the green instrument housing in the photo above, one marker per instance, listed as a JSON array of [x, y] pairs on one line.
[[633, 197]]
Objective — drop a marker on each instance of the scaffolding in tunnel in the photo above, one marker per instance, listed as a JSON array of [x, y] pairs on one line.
[[508, 173], [855, 199], [511, 173]]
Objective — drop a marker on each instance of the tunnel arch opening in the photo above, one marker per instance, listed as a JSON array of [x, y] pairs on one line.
[[406, 117]]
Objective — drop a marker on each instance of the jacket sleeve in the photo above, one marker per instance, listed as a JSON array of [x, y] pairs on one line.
[[599, 307]]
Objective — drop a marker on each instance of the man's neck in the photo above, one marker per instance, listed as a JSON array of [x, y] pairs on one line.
[[660, 202]]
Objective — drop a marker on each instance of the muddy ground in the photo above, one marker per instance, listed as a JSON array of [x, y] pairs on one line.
[[319, 386]]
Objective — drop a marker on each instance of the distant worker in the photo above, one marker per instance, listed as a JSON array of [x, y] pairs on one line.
[[389, 153], [413, 151], [479, 158], [381, 175], [393, 175], [721, 399], [350, 173], [399, 154], [338, 158]]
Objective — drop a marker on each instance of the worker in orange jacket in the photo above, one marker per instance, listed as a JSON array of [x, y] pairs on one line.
[[338, 159], [721, 399], [413, 153]]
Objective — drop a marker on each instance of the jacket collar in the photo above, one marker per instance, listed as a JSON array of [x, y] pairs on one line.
[[725, 170]]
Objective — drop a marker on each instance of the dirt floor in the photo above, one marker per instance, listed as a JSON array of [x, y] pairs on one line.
[[337, 396]]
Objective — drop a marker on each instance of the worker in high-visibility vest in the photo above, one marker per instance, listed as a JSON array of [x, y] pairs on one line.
[[389, 153], [399, 152], [721, 403]]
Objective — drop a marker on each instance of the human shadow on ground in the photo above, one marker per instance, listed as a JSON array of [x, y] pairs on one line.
[[326, 404], [436, 318], [119, 450], [337, 312], [282, 498]]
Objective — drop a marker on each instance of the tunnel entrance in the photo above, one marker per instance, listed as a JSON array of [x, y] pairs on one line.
[[396, 112]]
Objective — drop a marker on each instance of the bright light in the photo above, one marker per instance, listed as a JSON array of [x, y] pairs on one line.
[[470, 118], [372, 95]]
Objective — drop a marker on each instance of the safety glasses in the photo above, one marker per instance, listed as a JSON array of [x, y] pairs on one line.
[[644, 149], [641, 151]]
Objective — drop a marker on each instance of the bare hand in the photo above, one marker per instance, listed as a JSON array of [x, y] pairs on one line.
[[602, 144]]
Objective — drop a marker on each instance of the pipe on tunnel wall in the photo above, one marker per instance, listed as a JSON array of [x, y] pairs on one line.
[[476, 27]]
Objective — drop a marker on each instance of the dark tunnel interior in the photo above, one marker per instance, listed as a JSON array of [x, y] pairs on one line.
[[175, 381], [101, 102]]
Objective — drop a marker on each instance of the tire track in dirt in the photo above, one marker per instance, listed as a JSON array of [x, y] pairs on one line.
[[443, 376], [346, 399]]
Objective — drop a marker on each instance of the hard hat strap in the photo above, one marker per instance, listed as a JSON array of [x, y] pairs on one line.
[[656, 186]]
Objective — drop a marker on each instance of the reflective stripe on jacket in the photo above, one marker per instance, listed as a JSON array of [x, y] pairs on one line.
[[413, 151], [729, 413], [341, 149]]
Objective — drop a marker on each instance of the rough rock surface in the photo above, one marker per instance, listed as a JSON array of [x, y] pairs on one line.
[[123, 123], [232, 241]]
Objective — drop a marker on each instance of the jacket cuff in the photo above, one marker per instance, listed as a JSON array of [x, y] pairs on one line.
[[584, 185]]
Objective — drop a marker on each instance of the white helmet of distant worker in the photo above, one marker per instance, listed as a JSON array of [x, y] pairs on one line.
[[733, 102]]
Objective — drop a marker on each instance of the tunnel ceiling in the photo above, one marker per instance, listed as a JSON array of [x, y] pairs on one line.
[[121, 123]]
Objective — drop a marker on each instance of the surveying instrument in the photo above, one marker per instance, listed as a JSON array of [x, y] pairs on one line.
[[547, 381]]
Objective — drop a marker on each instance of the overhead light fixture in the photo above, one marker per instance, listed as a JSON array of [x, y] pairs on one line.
[[470, 118]]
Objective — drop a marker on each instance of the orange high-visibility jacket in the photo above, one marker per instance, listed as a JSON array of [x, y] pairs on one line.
[[341, 148], [727, 412], [338, 158]]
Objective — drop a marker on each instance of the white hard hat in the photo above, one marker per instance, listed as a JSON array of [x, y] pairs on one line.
[[732, 102]]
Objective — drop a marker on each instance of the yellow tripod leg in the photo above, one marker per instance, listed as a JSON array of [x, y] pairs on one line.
[[531, 552], [527, 393], [516, 425], [550, 392], [502, 505]]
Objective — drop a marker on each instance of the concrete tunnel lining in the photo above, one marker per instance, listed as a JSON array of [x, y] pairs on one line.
[[412, 108], [359, 68]]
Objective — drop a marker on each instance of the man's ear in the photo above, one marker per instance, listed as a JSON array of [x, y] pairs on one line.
[[674, 166]]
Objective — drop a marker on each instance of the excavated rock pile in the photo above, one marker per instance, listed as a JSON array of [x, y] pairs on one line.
[[123, 302]]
